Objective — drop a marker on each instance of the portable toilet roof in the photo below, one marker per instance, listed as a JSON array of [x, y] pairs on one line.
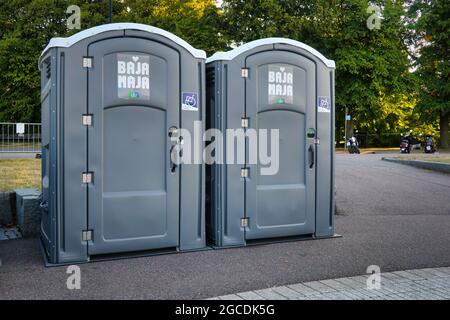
[[230, 55], [69, 41]]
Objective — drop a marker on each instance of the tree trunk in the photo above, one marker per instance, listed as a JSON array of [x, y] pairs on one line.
[[443, 128]]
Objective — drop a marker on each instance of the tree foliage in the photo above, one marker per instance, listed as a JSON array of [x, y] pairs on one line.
[[197, 22], [27, 26], [371, 65], [373, 71], [431, 41]]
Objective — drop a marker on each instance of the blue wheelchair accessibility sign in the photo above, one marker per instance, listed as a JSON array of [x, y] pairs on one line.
[[323, 104], [189, 101]]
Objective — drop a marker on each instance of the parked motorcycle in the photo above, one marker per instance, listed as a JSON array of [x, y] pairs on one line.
[[429, 145], [408, 143], [353, 145], [405, 146]]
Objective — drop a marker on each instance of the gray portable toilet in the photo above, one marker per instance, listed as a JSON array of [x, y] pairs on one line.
[[282, 84], [112, 98]]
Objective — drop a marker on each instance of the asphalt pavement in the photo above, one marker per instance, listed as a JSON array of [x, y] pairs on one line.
[[390, 215]]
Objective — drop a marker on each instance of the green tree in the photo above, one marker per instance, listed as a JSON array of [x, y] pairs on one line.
[[431, 48], [199, 22], [371, 65], [27, 26]]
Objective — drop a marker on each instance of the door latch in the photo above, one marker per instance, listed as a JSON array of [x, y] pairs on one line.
[[86, 235], [87, 119], [86, 177], [87, 62]]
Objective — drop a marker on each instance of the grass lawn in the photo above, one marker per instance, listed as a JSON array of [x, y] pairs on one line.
[[20, 173], [20, 146]]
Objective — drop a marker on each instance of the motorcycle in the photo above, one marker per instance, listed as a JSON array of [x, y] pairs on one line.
[[405, 146], [408, 143], [353, 145], [428, 145]]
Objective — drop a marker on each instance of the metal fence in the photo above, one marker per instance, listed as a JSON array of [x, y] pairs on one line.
[[20, 137]]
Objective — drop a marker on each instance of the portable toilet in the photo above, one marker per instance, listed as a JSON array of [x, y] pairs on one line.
[[113, 97], [279, 84]]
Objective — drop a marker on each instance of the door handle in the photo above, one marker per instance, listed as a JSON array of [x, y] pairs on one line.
[[173, 165], [311, 156], [176, 154], [43, 204], [173, 135]]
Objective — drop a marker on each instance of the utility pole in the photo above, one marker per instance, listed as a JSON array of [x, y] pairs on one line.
[[345, 128]]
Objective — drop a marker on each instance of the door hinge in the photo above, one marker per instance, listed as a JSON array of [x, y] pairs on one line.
[[86, 177], [244, 72], [244, 122], [86, 235], [244, 172], [87, 119], [87, 62], [244, 222]]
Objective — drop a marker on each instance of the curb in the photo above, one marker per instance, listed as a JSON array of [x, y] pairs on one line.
[[7, 208], [435, 166], [21, 208]]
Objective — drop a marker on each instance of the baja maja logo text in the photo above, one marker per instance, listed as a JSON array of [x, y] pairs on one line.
[[133, 76], [280, 84]]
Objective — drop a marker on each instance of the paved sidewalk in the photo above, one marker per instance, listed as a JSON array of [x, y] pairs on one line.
[[417, 284]]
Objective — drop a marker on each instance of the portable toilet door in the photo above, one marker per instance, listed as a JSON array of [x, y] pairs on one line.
[[117, 104], [284, 85]]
